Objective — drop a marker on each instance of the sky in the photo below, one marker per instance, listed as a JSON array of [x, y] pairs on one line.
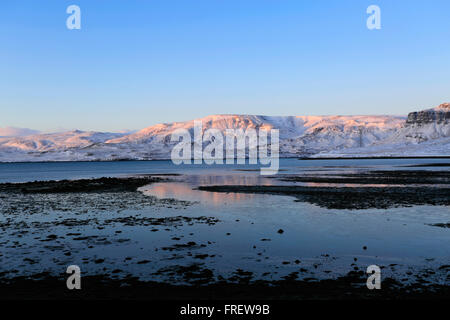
[[138, 63]]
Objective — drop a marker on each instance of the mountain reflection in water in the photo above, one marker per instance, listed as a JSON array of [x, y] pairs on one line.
[[187, 190]]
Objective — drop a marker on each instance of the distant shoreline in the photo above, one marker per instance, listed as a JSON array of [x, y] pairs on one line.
[[298, 158], [381, 157]]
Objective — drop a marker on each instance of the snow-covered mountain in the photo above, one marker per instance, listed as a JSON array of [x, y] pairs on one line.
[[421, 133], [424, 133]]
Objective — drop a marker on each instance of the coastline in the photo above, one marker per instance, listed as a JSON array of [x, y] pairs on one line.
[[348, 287], [298, 158], [105, 213], [375, 158]]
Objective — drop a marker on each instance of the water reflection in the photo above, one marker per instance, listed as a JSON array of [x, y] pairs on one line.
[[185, 187], [187, 191], [241, 180]]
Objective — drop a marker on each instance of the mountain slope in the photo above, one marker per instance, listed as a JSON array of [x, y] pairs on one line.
[[425, 132]]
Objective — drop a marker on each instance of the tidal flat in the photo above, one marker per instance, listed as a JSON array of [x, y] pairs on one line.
[[165, 232]]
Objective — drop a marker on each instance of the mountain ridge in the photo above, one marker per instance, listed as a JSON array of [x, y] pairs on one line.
[[419, 133]]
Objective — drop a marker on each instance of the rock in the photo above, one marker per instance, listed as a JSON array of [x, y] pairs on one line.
[[440, 114]]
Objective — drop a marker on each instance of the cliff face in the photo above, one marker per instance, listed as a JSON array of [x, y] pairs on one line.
[[437, 115], [425, 125]]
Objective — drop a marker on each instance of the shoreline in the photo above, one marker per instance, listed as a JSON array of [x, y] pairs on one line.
[[298, 158], [352, 286], [86, 199], [375, 158]]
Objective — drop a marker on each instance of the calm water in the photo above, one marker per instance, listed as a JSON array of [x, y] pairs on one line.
[[325, 241], [22, 172]]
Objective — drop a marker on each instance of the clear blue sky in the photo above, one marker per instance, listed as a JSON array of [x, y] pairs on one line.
[[137, 63]]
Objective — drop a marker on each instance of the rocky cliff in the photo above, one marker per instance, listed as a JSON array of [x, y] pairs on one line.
[[438, 115]]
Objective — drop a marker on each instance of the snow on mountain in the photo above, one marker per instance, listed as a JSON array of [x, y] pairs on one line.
[[341, 132], [425, 132], [56, 141], [51, 146], [299, 135]]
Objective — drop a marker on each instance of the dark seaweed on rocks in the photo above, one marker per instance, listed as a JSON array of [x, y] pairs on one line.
[[201, 286], [80, 196], [350, 198], [378, 177], [82, 185], [165, 221]]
